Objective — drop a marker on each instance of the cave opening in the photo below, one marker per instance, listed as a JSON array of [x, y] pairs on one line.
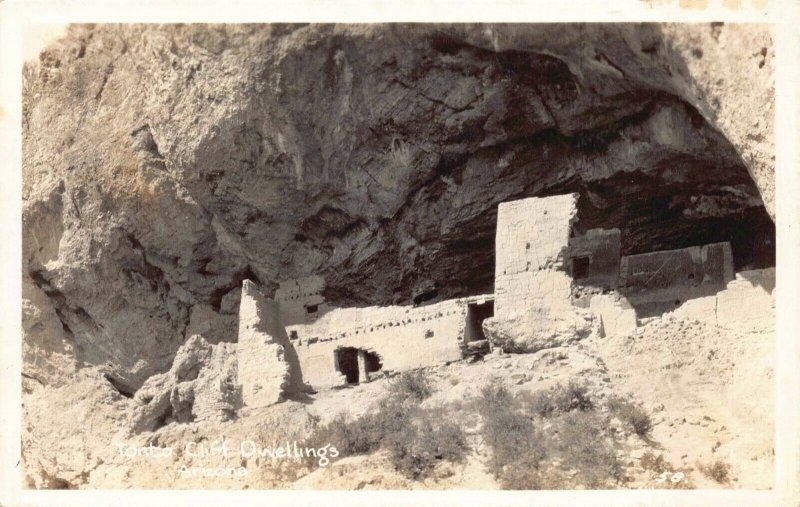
[[654, 215], [692, 191], [347, 363]]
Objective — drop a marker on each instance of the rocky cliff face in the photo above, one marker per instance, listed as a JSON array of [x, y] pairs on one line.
[[163, 165]]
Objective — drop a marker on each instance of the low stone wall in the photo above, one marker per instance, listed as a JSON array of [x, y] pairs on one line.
[[746, 304], [656, 282], [403, 337], [617, 316]]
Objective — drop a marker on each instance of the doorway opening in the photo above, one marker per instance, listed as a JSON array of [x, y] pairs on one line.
[[356, 364], [476, 314]]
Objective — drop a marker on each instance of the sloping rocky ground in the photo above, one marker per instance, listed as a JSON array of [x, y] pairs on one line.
[[707, 390]]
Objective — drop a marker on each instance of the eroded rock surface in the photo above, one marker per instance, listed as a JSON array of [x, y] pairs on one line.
[[201, 385], [163, 165]]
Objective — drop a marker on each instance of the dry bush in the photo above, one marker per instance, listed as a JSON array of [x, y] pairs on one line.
[[400, 156], [584, 443], [525, 473], [509, 433], [349, 436], [414, 385], [717, 470], [630, 413], [563, 399], [577, 449], [657, 464], [417, 448], [416, 439]]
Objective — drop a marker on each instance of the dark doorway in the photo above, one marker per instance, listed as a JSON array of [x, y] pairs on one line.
[[373, 362], [476, 314], [347, 363]]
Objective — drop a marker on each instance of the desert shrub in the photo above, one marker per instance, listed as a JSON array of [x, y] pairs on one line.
[[585, 444], [416, 439], [630, 413], [717, 470], [543, 403], [414, 385], [349, 436], [525, 473], [417, 448], [367, 433], [573, 396], [493, 397], [578, 448], [511, 435], [515, 444], [657, 464]]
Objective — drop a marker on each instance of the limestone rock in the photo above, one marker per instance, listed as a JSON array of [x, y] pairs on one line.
[[729, 73], [201, 385]]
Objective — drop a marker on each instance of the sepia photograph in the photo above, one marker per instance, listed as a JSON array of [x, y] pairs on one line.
[[399, 256]]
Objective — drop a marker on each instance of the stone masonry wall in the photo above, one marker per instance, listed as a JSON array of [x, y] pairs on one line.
[[403, 337], [746, 304], [617, 316], [748, 301], [263, 369], [532, 235], [216, 394], [533, 307], [657, 281], [301, 300], [600, 248], [200, 385]]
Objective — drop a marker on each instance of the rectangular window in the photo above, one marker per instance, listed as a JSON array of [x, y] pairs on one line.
[[580, 267]]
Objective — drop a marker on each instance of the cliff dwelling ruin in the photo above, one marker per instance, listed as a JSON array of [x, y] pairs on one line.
[[551, 284], [259, 231]]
